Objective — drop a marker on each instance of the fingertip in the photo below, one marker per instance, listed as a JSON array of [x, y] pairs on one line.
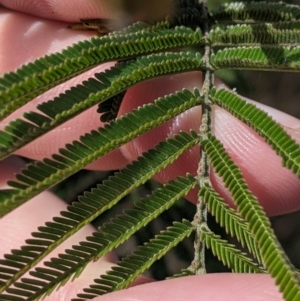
[[231, 287], [38, 36]]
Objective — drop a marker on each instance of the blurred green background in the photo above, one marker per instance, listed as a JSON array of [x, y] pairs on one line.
[[278, 90]]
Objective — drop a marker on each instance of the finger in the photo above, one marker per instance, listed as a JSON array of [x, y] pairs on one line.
[[45, 37], [231, 287], [68, 11], [27, 37]]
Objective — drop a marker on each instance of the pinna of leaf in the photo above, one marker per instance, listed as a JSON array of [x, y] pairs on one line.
[[176, 12]]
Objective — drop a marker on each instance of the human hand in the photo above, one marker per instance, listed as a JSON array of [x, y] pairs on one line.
[[263, 172]]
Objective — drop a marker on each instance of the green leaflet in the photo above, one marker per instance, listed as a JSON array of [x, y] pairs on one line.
[[272, 35], [94, 203], [42, 175], [110, 235], [17, 88], [92, 91], [255, 12], [258, 58], [131, 267], [275, 260], [273, 133], [183, 273]]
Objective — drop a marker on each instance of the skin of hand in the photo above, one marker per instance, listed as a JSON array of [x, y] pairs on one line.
[[33, 28]]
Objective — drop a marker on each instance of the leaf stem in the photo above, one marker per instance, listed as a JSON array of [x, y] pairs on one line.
[[203, 172]]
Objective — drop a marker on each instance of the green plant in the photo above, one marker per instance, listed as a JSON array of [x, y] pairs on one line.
[[264, 36]]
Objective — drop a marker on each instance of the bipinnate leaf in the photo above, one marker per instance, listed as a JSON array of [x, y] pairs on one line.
[[249, 36]]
